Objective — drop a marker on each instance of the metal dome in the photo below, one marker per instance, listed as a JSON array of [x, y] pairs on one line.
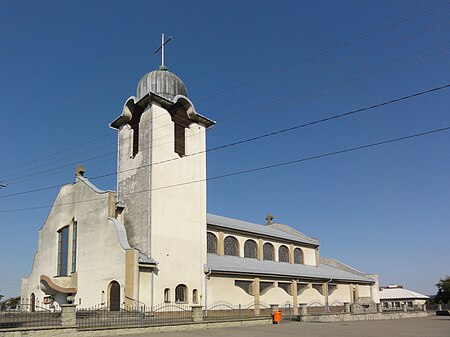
[[161, 82]]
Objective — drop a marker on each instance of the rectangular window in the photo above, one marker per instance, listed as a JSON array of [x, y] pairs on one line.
[[179, 140], [63, 250], [74, 247]]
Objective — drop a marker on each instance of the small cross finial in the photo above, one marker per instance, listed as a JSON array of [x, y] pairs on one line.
[[161, 47], [270, 218]]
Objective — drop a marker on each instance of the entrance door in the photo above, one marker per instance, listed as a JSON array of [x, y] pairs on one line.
[[114, 296]]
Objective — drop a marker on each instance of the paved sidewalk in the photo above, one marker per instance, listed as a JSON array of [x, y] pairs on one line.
[[412, 327]]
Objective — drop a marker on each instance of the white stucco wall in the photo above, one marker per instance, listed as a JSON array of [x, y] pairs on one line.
[[340, 294], [275, 295], [364, 291], [223, 289], [310, 296], [178, 207], [100, 258]]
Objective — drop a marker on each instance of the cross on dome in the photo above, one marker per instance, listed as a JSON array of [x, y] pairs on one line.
[[161, 47]]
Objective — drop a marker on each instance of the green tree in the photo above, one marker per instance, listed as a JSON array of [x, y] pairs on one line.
[[1, 296], [443, 293]]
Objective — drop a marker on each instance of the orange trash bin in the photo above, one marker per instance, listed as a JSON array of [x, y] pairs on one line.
[[276, 317]]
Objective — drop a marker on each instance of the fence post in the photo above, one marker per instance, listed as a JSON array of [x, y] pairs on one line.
[[68, 314], [439, 307], [197, 313], [239, 308], [346, 307], [424, 307], [405, 307], [303, 309], [379, 307]]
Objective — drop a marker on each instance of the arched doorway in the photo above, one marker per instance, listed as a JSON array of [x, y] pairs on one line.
[[32, 302], [114, 296]]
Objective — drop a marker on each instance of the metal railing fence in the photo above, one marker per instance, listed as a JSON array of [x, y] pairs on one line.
[[26, 315], [164, 313], [223, 310]]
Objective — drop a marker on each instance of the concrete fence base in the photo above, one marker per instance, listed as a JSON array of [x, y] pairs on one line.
[[128, 330], [347, 317]]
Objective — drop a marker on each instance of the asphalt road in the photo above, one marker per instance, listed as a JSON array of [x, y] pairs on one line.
[[412, 327]]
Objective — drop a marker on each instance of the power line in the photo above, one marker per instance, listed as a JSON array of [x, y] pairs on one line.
[[361, 37], [325, 52], [256, 169], [240, 113], [247, 140], [58, 152], [395, 42]]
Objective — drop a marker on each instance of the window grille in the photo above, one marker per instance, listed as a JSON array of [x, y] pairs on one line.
[[268, 252], [211, 243], [265, 286], [301, 287], [181, 293], [250, 249], [283, 254], [318, 287], [298, 256], [231, 246], [247, 286], [63, 250], [287, 287], [332, 288]]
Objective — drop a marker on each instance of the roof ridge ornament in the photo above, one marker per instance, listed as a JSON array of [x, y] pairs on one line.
[[270, 218], [161, 47]]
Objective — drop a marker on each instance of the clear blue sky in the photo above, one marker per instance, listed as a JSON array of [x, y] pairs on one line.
[[66, 69]]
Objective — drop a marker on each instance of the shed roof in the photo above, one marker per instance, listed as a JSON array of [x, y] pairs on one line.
[[242, 265]]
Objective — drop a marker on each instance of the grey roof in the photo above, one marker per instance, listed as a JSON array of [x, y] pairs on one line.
[[400, 293], [146, 260], [121, 233], [242, 265], [162, 82], [339, 265], [253, 228]]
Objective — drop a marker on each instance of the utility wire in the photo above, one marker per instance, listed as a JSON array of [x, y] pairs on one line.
[[325, 52], [258, 108], [247, 140], [256, 169], [361, 37]]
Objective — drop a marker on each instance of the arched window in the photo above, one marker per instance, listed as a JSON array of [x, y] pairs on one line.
[[167, 295], [211, 243], [283, 254], [298, 256], [181, 293], [231, 246], [250, 249], [268, 252], [195, 296]]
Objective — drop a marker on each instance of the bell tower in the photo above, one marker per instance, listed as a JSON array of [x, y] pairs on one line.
[[161, 179]]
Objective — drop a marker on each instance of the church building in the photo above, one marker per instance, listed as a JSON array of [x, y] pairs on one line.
[[152, 241]]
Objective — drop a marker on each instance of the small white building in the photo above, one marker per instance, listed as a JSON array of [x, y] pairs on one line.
[[152, 240], [396, 297]]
